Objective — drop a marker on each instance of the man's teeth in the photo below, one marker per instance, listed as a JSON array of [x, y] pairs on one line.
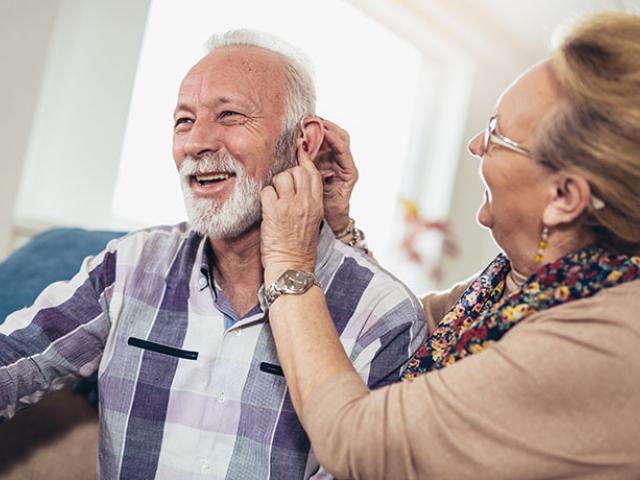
[[213, 177]]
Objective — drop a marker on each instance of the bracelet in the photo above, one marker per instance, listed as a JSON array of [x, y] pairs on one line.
[[357, 236], [357, 239], [348, 230]]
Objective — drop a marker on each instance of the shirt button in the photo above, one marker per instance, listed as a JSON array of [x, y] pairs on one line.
[[206, 466], [237, 332], [202, 282], [221, 397]]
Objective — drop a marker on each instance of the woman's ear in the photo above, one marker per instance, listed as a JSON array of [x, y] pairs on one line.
[[310, 135], [569, 199]]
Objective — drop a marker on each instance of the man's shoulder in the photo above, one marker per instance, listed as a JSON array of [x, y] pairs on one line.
[[358, 272], [379, 319], [168, 234], [157, 244]]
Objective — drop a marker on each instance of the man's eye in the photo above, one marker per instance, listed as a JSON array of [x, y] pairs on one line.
[[229, 113], [182, 120]]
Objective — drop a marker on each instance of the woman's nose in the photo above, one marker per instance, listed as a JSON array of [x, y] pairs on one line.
[[474, 147]]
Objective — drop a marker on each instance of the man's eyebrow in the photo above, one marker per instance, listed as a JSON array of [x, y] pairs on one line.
[[227, 100], [182, 107]]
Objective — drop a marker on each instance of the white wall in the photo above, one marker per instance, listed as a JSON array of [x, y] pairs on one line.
[[78, 127], [25, 31]]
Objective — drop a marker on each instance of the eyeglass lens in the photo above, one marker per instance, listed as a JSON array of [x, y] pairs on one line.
[[490, 130]]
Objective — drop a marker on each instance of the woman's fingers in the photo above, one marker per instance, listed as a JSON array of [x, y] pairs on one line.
[[268, 196], [336, 130], [337, 177], [301, 179], [336, 137], [283, 184], [337, 151], [312, 178]]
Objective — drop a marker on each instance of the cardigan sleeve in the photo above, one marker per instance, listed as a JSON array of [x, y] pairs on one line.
[[558, 396]]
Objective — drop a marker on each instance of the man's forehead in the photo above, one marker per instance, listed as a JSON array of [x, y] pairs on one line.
[[241, 68], [249, 61]]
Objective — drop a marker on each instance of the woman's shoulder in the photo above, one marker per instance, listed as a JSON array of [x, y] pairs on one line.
[[607, 303], [607, 321]]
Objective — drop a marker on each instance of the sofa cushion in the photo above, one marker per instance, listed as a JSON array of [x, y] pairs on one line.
[[51, 256]]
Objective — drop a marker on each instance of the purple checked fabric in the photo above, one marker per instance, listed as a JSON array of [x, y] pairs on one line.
[[187, 390]]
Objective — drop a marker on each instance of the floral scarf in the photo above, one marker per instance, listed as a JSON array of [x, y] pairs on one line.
[[482, 315]]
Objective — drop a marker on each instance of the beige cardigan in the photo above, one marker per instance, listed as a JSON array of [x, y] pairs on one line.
[[556, 397]]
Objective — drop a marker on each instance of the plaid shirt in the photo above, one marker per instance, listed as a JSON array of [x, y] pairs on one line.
[[187, 390]]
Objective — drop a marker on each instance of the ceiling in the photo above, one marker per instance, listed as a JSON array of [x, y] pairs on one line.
[[533, 21], [496, 31]]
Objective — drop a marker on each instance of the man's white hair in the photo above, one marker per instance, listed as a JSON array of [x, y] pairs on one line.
[[301, 91]]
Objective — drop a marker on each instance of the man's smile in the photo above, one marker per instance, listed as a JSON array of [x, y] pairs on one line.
[[213, 183], [208, 178]]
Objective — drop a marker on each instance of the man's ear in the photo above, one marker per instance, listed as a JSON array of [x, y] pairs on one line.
[[311, 133], [569, 199]]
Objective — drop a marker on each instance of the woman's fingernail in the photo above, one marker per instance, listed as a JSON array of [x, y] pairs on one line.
[[305, 147]]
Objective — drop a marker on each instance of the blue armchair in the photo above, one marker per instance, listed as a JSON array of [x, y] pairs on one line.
[[51, 256]]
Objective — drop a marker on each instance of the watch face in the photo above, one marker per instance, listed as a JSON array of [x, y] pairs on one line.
[[293, 281], [298, 280]]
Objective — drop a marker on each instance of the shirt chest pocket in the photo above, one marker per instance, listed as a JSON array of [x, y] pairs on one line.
[[159, 362], [162, 349]]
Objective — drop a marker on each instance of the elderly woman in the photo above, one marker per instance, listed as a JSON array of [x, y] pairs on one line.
[[532, 368]]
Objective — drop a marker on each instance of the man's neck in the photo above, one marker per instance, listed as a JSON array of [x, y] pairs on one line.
[[238, 268]]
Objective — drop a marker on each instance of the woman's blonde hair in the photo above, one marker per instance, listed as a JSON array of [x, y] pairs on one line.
[[596, 131]]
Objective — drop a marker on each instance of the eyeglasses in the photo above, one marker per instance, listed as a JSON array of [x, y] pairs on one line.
[[490, 135]]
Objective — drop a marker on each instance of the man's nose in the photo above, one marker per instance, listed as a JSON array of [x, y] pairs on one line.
[[203, 138], [474, 147]]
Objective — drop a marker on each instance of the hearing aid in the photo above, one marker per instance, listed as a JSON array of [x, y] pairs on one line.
[[305, 144]]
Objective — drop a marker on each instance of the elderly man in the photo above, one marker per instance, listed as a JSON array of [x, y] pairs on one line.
[[175, 319]]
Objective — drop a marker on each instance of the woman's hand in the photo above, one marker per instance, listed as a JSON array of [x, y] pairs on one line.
[[309, 351], [339, 173], [292, 210]]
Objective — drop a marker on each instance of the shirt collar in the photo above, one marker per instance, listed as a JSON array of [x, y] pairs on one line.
[[325, 244], [326, 239], [324, 249], [206, 274]]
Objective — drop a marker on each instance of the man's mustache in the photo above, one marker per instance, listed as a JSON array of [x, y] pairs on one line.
[[210, 163]]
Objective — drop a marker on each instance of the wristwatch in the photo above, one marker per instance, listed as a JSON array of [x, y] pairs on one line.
[[294, 282]]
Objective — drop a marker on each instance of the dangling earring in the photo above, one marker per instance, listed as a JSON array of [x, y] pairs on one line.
[[542, 244]]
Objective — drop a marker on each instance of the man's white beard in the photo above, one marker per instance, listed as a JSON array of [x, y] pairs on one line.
[[242, 209]]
